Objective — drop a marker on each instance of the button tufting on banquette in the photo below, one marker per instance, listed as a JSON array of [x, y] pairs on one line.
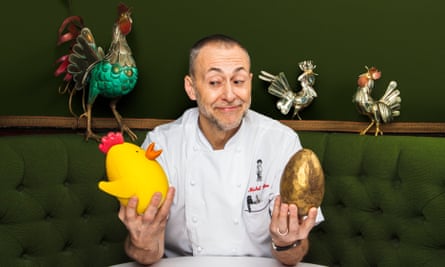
[[51, 212], [384, 203]]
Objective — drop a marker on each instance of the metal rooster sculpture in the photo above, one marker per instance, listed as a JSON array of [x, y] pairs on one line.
[[381, 111], [88, 68], [280, 87]]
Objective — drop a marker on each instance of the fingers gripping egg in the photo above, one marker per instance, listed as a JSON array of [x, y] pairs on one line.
[[132, 171], [302, 182]]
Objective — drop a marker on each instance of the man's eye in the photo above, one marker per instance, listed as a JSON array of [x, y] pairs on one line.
[[238, 82], [214, 83]]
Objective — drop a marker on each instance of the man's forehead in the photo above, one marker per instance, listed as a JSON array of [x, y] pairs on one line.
[[218, 50], [222, 59]]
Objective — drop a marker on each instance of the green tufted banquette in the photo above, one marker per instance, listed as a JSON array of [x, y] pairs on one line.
[[384, 204], [51, 212]]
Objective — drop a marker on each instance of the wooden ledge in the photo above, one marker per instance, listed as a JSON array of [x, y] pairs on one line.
[[73, 123], [149, 123], [356, 127]]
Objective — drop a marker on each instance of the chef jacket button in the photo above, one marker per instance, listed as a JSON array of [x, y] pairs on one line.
[[234, 250], [194, 219], [192, 182], [235, 221], [199, 249]]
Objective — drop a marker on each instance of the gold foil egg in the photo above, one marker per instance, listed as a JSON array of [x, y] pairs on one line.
[[302, 182]]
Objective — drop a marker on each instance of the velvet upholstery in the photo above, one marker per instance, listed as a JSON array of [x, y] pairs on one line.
[[384, 202], [51, 211]]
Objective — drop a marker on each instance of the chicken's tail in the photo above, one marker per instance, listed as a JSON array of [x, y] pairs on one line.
[[84, 57], [279, 86], [389, 104]]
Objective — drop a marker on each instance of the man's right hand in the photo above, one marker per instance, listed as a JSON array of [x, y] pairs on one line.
[[145, 242]]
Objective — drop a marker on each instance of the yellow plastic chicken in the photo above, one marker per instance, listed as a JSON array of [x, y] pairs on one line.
[[381, 111], [132, 171]]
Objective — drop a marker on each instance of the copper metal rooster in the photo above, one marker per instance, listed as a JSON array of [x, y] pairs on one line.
[[279, 87], [88, 68], [381, 111]]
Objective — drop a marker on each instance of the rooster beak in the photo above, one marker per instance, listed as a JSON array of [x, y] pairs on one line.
[[151, 153]]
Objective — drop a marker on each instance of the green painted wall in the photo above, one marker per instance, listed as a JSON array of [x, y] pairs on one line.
[[405, 39]]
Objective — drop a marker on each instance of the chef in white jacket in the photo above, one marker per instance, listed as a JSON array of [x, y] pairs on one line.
[[224, 163]]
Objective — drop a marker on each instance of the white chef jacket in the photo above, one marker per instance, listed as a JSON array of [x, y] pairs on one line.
[[210, 214]]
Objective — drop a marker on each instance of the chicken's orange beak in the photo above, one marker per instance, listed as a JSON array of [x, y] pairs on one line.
[[151, 153]]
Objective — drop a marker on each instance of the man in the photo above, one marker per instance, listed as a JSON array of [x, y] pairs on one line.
[[224, 163]]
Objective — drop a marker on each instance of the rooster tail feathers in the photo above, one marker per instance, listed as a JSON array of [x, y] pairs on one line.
[[390, 89], [389, 104], [69, 29], [266, 76], [387, 113], [392, 96], [84, 56], [279, 85]]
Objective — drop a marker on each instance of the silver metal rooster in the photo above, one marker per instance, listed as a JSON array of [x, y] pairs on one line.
[[279, 87], [381, 111]]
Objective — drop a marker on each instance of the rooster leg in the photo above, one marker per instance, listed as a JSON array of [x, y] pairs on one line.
[[364, 131], [118, 117], [89, 132], [298, 115], [378, 131]]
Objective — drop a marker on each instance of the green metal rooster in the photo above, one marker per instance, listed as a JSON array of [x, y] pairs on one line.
[[88, 68]]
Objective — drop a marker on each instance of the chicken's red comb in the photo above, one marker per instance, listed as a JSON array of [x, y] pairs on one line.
[[110, 140], [122, 8]]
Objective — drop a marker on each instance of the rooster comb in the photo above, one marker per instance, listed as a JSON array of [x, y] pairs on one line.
[[110, 140], [122, 8]]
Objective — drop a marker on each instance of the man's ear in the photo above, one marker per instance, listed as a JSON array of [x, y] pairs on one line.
[[189, 87]]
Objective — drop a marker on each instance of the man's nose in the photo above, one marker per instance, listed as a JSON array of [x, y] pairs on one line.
[[229, 93]]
